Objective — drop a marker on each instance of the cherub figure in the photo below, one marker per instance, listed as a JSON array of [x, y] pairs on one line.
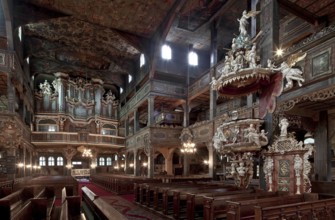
[[289, 72]]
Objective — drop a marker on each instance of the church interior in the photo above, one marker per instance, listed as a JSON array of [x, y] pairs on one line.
[[170, 109]]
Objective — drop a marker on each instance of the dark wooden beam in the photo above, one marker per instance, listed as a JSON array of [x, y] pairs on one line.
[[302, 13], [162, 32]]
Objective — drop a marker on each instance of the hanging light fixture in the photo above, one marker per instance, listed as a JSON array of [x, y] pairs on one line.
[[188, 147], [87, 153]]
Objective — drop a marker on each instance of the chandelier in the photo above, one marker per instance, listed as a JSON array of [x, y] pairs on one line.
[[188, 148], [87, 153]]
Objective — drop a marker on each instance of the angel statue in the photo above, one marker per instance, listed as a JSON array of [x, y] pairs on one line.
[[244, 21], [289, 72]]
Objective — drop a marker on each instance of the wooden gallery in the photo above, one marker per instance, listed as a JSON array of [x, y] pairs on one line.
[[169, 109]]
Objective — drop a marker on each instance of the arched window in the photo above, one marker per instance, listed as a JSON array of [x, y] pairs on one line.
[[115, 157], [166, 52], [51, 161], [42, 161], [101, 161], [193, 59], [142, 60], [109, 161], [60, 161], [108, 130]]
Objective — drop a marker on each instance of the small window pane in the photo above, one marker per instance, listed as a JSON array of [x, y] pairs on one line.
[[42, 161], [101, 161], [108, 161], [60, 161], [166, 52], [193, 59], [51, 161]]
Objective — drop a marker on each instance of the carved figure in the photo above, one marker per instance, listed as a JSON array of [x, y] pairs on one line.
[[218, 138], [233, 45], [289, 72], [263, 139], [252, 135], [227, 65], [252, 56], [235, 132], [110, 96], [283, 125], [45, 87], [297, 168], [268, 168], [214, 83], [241, 169], [243, 21]]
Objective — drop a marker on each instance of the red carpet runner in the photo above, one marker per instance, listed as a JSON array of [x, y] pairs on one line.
[[122, 203]]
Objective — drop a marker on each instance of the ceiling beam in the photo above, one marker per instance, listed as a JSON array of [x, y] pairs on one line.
[[6, 8], [162, 32], [302, 13]]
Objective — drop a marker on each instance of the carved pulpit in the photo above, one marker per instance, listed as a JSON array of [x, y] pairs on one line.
[[286, 164]]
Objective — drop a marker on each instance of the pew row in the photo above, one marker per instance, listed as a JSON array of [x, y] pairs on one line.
[[321, 209], [99, 207], [245, 209], [71, 207]]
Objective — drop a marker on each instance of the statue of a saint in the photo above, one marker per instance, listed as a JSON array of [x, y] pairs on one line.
[[283, 125]]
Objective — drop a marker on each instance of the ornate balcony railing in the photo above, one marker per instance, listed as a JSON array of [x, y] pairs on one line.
[[74, 138]]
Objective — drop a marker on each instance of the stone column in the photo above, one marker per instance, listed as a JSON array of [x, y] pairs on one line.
[[322, 155], [210, 159], [151, 110]]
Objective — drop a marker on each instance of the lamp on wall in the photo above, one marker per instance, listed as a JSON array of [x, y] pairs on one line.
[[188, 147]]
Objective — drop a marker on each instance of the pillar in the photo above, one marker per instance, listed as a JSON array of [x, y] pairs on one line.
[[186, 165], [151, 165], [136, 163], [211, 157], [10, 94], [151, 110], [269, 21], [213, 62], [322, 156], [168, 164], [136, 120]]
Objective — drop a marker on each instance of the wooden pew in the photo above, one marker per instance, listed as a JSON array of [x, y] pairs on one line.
[[321, 209], [237, 210], [12, 203], [49, 194], [100, 208], [195, 201], [168, 194], [216, 206], [71, 207], [180, 196]]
